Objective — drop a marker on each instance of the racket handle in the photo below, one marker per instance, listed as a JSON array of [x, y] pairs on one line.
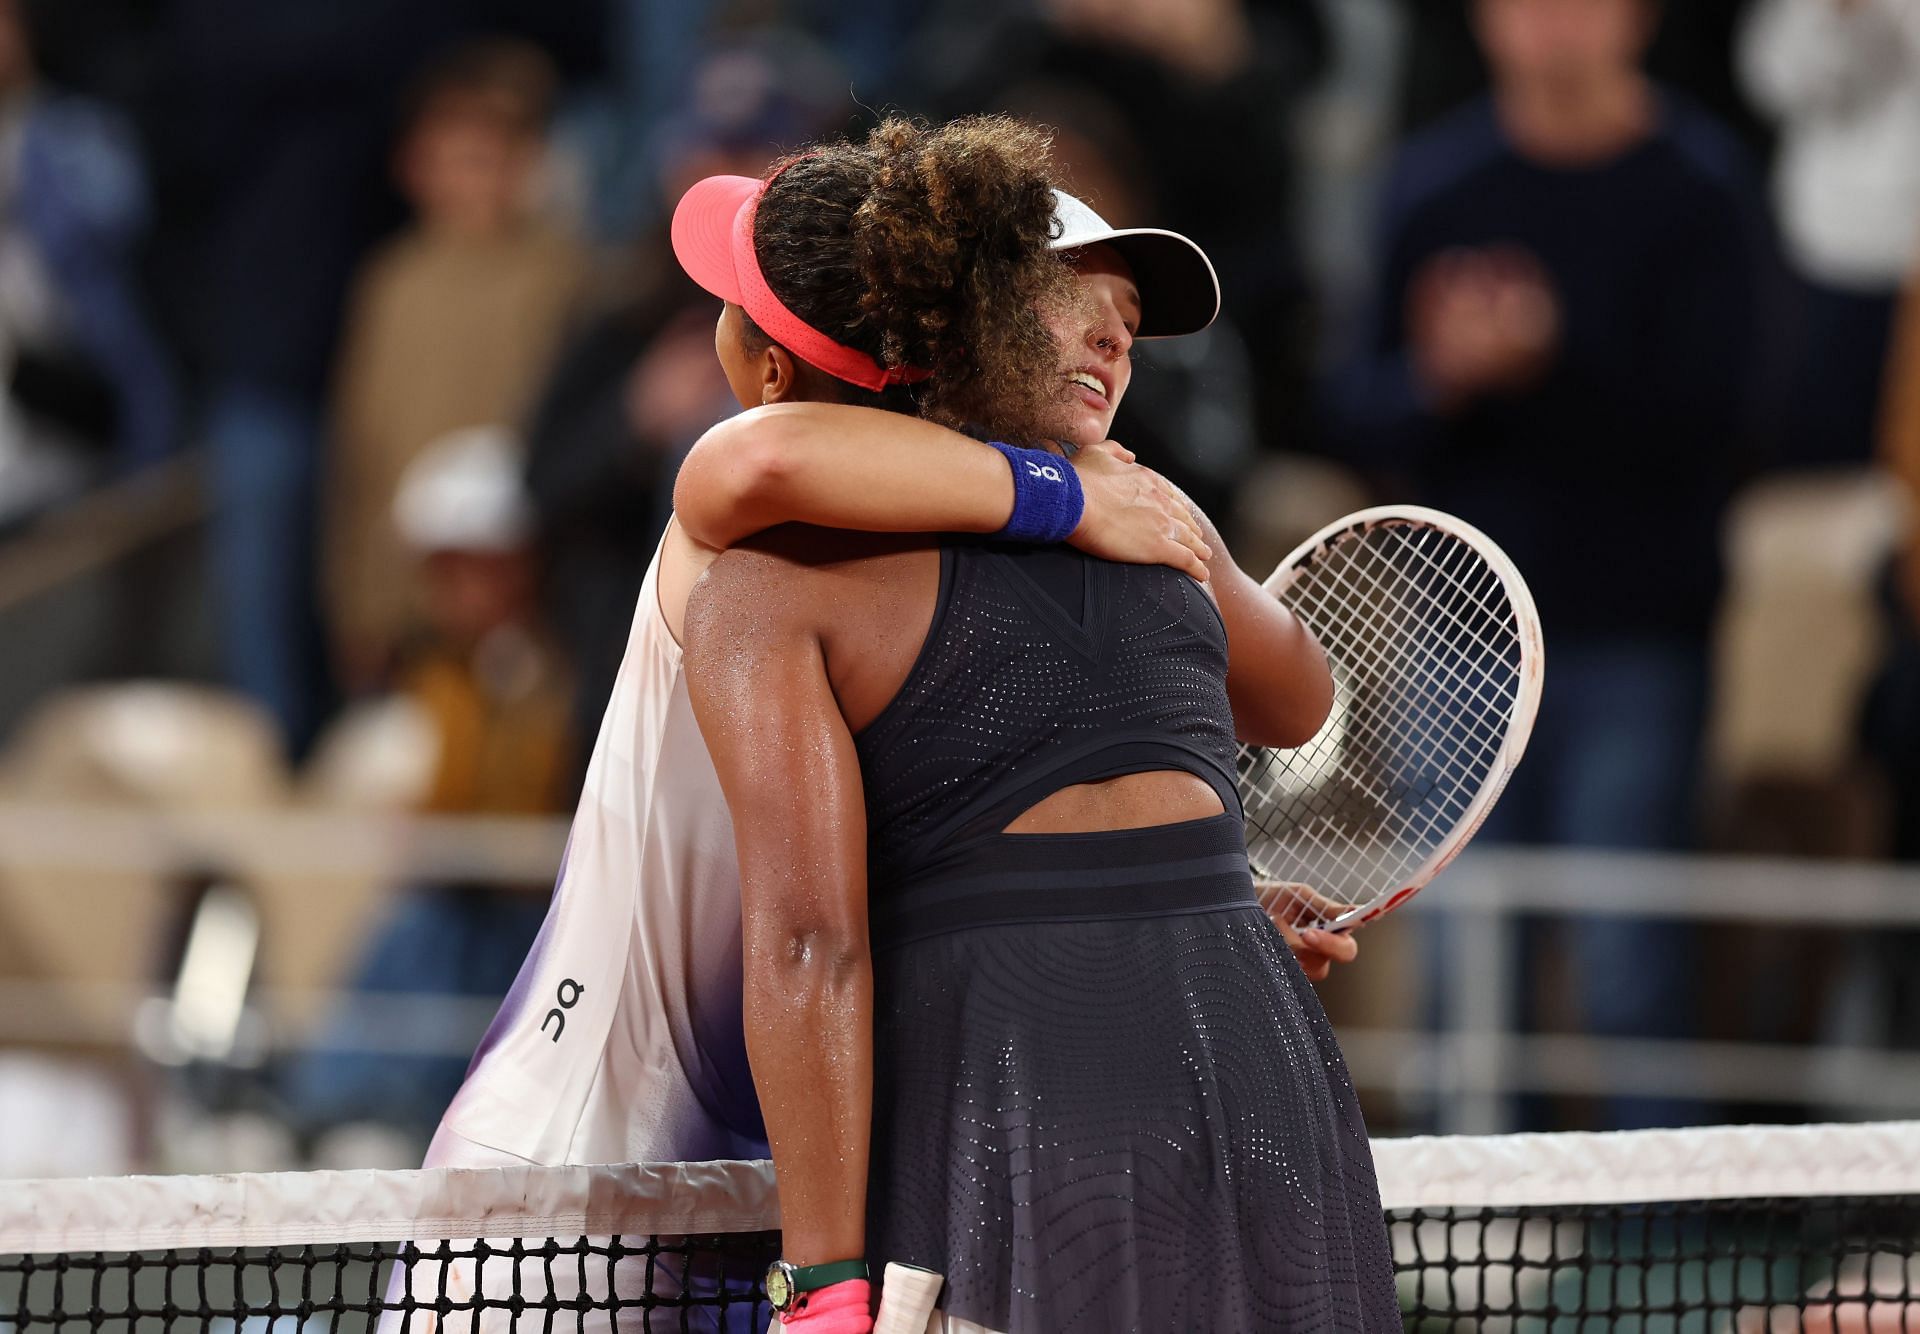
[[907, 1294]]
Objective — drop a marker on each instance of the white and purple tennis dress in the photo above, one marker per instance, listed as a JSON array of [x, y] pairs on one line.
[[621, 1040]]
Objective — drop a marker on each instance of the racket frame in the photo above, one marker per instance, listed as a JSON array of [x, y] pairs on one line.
[[1526, 702]]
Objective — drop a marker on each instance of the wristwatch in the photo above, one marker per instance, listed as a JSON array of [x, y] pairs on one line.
[[787, 1283]]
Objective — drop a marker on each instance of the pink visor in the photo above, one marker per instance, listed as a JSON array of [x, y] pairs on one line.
[[713, 240]]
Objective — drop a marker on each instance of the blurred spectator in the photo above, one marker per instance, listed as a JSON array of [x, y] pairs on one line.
[[84, 376], [1842, 78], [487, 679], [652, 49], [1205, 92], [1557, 352], [676, 63], [452, 323], [268, 125], [640, 383], [1693, 51], [873, 39], [483, 670]]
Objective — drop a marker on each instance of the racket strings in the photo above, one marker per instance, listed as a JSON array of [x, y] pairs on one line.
[[1395, 729], [1344, 847], [1397, 740], [1378, 636], [1476, 634], [1427, 664], [1399, 713], [1437, 613]]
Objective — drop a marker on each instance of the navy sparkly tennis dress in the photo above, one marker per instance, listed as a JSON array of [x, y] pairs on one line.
[[1105, 1095]]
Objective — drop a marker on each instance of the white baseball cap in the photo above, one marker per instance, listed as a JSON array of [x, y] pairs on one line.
[[464, 492], [1179, 293]]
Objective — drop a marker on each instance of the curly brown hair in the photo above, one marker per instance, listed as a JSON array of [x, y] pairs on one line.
[[928, 247]]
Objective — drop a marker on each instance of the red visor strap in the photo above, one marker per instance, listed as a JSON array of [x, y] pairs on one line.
[[795, 334]]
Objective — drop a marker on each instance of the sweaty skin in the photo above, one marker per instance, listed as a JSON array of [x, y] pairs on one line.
[[779, 683]]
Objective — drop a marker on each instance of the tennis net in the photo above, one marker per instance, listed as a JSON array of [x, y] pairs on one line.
[[1746, 1230]]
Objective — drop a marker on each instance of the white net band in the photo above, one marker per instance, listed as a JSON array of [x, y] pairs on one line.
[[1622, 1167], [138, 1213], [1495, 1171]]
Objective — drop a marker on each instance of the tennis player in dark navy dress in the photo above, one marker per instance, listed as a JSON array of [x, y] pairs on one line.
[[1015, 1014]]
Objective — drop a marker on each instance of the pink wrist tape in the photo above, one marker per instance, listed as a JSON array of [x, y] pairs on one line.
[[840, 1308]]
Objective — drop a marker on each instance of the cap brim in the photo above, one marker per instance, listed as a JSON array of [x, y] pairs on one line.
[[1179, 291], [703, 231]]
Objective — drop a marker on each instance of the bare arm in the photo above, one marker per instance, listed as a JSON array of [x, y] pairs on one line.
[[1277, 675], [786, 761], [837, 466]]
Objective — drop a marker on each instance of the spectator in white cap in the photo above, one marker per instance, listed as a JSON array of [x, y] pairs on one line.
[[1841, 78], [482, 667], [484, 676], [450, 324]]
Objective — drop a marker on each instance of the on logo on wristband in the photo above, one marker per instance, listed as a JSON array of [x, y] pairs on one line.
[[1047, 500]]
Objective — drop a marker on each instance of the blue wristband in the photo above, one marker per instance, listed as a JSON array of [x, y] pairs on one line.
[[1047, 501]]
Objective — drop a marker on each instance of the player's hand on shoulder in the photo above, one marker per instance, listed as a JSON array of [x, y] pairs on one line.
[[1289, 906], [1133, 514]]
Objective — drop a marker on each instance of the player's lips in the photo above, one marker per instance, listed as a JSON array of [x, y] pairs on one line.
[[1094, 389]]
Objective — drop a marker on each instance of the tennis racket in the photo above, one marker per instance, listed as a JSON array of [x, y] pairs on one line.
[[907, 1295], [1437, 659]]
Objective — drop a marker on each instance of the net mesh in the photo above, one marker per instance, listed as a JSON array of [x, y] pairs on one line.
[[1771, 1265], [1742, 1230], [673, 1246], [1752, 1230], [644, 1283], [1426, 650]]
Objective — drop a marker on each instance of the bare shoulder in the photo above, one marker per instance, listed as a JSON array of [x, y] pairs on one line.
[[1209, 532], [748, 590], [1220, 566], [794, 576]]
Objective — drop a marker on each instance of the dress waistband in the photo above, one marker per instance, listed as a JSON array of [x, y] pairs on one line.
[[1159, 871]]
